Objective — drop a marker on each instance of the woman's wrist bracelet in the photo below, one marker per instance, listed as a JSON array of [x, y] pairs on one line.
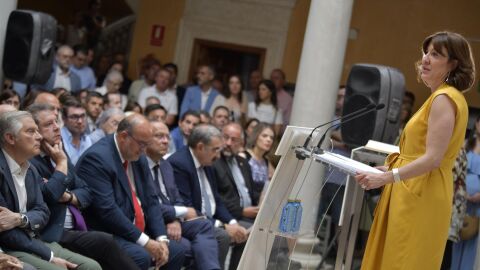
[[396, 175]]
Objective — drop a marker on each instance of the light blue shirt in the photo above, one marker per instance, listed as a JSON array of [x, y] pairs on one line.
[[87, 77], [72, 151]]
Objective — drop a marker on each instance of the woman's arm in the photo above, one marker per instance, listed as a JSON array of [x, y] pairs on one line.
[[441, 122]]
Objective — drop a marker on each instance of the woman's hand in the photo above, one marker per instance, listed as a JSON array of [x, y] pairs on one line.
[[373, 180]]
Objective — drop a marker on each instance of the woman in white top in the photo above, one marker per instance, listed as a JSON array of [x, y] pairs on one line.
[[265, 107], [236, 99]]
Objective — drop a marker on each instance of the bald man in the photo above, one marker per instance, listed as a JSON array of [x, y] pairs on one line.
[[124, 200], [62, 76]]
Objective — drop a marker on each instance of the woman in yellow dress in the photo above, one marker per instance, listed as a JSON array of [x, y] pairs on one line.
[[412, 218]]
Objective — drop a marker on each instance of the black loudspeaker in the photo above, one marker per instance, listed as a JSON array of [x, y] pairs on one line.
[[29, 46], [373, 84]]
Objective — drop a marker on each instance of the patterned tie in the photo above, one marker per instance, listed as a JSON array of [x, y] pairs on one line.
[[157, 184], [139, 217]]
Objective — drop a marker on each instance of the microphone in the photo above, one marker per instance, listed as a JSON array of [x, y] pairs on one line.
[[374, 108], [301, 155]]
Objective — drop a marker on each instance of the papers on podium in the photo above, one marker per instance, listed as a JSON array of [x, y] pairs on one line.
[[345, 164]]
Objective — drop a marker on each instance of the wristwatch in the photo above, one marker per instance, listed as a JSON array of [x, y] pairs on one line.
[[23, 221]]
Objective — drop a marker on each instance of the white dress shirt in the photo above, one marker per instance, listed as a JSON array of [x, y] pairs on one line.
[[18, 175]]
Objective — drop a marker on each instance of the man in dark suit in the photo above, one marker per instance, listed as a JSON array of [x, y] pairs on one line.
[[62, 76], [235, 183], [22, 210], [183, 223], [124, 202], [65, 194], [197, 185]]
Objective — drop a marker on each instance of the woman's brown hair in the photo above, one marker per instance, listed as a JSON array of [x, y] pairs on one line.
[[462, 76]]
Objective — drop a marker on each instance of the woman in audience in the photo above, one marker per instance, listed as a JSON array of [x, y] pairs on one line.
[[133, 106], [463, 252], [265, 107], [107, 123], [10, 97], [258, 146], [236, 99]]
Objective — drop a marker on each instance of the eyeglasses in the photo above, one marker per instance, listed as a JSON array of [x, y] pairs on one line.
[[234, 139], [141, 144], [76, 117]]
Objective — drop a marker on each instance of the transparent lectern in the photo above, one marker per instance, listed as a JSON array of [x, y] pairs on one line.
[[301, 180]]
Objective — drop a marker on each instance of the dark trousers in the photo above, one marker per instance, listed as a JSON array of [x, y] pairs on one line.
[[99, 246], [201, 235], [237, 249], [143, 259]]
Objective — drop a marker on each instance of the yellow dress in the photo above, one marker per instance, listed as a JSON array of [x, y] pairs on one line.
[[412, 218]]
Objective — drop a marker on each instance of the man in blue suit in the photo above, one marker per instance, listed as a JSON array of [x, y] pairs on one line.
[[66, 194], [124, 202], [185, 126], [196, 182], [22, 209], [201, 96], [183, 223]]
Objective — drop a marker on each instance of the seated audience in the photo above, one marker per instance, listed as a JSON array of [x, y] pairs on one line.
[[81, 68], [124, 203], [10, 97], [66, 194], [258, 146], [265, 107], [62, 76], [196, 182], [107, 124], [186, 124], [74, 135], [205, 117], [156, 112], [202, 96], [160, 90], [182, 222], [284, 99], [112, 100], [221, 117], [235, 183], [93, 107], [23, 209], [133, 106], [113, 82], [150, 67], [236, 100], [175, 89]]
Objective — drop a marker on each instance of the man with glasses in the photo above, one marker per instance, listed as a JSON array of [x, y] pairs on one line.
[[235, 184], [74, 135], [182, 222], [197, 184], [124, 200]]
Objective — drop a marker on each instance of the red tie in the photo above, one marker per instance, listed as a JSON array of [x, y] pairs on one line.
[[139, 218]]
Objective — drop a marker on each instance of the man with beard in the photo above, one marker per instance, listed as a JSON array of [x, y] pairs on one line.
[[75, 138]]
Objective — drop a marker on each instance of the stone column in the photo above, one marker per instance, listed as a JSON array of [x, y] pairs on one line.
[[6, 6], [318, 79]]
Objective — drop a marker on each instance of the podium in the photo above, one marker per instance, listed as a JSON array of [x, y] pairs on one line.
[[300, 179]]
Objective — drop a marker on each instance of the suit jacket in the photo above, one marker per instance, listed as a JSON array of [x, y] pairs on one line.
[[112, 209], [75, 82], [193, 99], [18, 239], [174, 198], [177, 138], [228, 189], [188, 184], [53, 190]]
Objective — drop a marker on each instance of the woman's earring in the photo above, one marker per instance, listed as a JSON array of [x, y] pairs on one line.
[[448, 77]]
